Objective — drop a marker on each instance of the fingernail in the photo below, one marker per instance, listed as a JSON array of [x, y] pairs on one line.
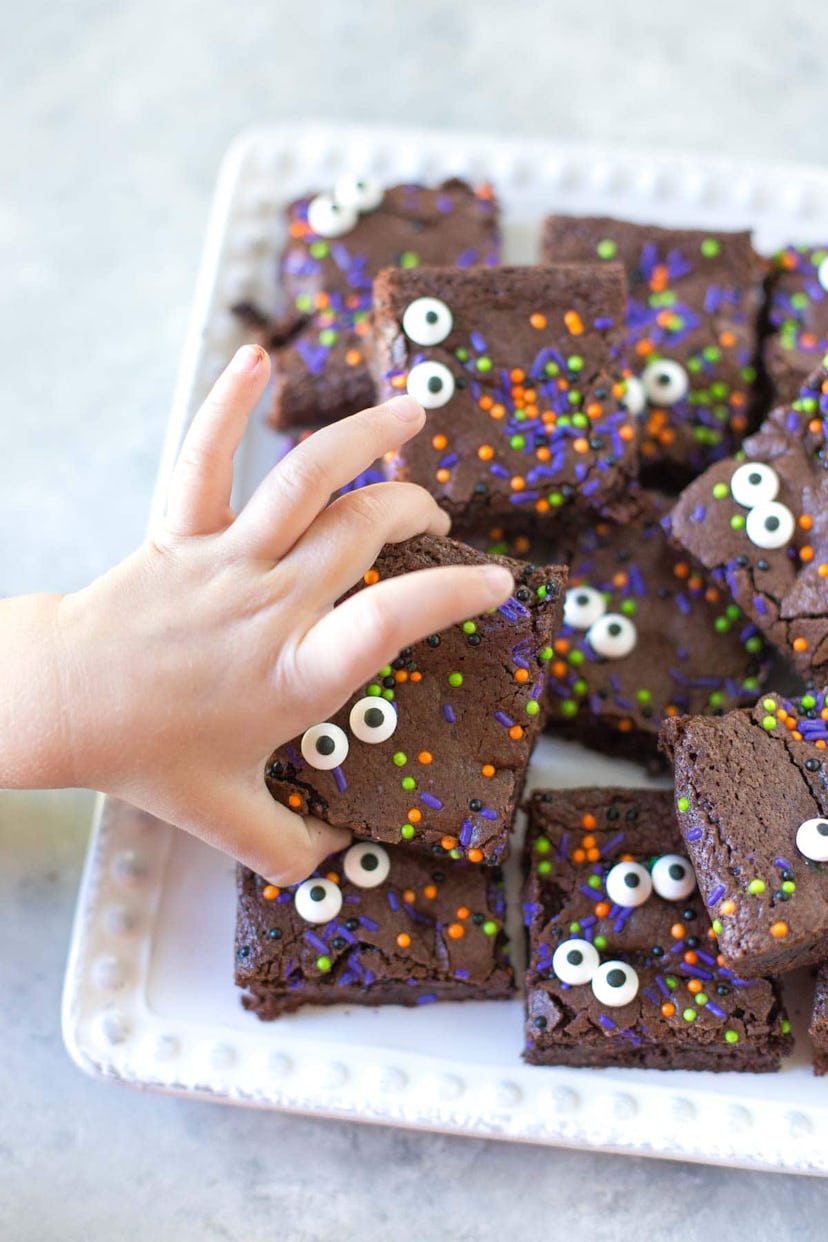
[[248, 359], [500, 580], [406, 409]]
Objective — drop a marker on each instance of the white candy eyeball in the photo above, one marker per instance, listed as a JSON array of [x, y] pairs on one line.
[[575, 961], [430, 383], [753, 484], [635, 398], [770, 525], [329, 218], [612, 636], [615, 983], [360, 193], [822, 274], [366, 865], [427, 321], [812, 839], [324, 746], [629, 884], [373, 720], [673, 877], [583, 605], [665, 382], [318, 901]]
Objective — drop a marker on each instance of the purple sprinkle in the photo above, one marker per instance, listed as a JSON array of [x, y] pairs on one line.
[[503, 719], [699, 513], [428, 998], [315, 942], [694, 834], [430, 800], [606, 1022], [462, 974], [716, 894], [393, 900], [703, 956], [662, 986], [782, 864], [466, 833], [448, 712], [715, 1010], [696, 971], [369, 923], [488, 813], [603, 322], [339, 777]]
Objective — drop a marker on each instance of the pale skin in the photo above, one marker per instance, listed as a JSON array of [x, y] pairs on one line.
[[170, 679]]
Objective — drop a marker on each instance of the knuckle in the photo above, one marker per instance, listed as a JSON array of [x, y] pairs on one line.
[[303, 474]]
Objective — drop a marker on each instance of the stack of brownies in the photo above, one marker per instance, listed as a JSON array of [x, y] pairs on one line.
[[595, 422]]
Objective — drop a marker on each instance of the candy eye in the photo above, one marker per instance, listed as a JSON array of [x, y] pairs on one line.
[[612, 636], [673, 878], [359, 193], [628, 884], [822, 274], [583, 606], [427, 321], [615, 983], [665, 382], [325, 746], [431, 384], [812, 839], [635, 398], [366, 865], [329, 218], [318, 901], [575, 961], [754, 483], [373, 720], [770, 525]]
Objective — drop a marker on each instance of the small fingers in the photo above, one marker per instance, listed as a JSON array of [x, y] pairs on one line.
[[198, 501], [300, 486], [345, 540], [366, 631]]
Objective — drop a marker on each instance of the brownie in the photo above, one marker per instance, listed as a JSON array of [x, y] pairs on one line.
[[797, 317], [374, 925], [645, 637], [517, 368], [454, 719], [692, 333], [752, 790], [759, 523], [818, 1028], [624, 968], [337, 242]]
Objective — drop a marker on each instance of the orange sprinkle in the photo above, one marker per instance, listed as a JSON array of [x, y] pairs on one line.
[[401, 675], [694, 986], [353, 357], [720, 959], [474, 855], [294, 800], [403, 940], [517, 376], [580, 445], [517, 483], [727, 339], [691, 958], [594, 409], [370, 577], [668, 1009], [806, 553], [561, 646], [430, 891], [574, 322], [593, 855], [530, 396], [398, 381], [677, 931], [602, 910], [627, 858], [820, 743], [538, 320], [488, 769], [558, 669], [424, 757], [439, 442], [578, 856], [681, 569], [815, 426], [643, 348], [625, 725], [415, 815], [485, 452], [626, 432], [588, 822], [270, 892], [805, 522], [521, 675], [456, 931], [727, 907], [416, 676], [409, 896], [712, 595], [779, 930], [543, 453], [463, 912], [443, 475], [800, 644], [516, 733], [448, 843], [486, 402], [542, 505]]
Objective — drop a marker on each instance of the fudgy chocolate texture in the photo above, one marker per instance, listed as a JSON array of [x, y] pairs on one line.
[[686, 648], [694, 300], [530, 422], [320, 346], [468, 703], [690, 1011], [783, 589], [818, 1028], [797, 317], [430, 931], [744, 785]]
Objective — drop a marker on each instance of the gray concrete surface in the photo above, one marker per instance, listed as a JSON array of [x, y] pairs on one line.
[[115, 117]]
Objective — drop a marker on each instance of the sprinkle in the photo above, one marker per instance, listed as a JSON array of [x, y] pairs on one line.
[[574, 323]]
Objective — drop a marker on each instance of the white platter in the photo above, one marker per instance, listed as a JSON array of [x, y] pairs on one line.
[[149, 998]]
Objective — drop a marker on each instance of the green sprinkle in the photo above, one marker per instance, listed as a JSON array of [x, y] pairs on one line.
[[455, 854], [785, 1026], [737, 522], [542, 592], [575, 363], [683, 804], [731, 1037], [455, 679], [484, 363], [569, 708], [469, 627], [701, 998], [769, 705], [716, 699], [399, 758], [717, 926], [323, 964], [580, 688], [769, 723], [407, 832], [517, 442], [643, 696], [319, 249], [542, 845], [756, 886], [374, 690], [555, 499], [628, 607], [304, 303], [720, 491], [753, 644], [710, 247], [552, 368], [600, 942], [546, 655], [532, 708], [544, 867], [788, 886], [490, 927], [606, 248], [808, 701], [408, 783], [671, 982], [574, 928], [461, 354], [733, 611], [576, 658], [721, 625], [327, 336], [594, 881], [388, 695], [689, 1015], [409, 259]]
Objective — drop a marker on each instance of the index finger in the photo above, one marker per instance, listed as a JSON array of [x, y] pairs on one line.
[[300, 486]]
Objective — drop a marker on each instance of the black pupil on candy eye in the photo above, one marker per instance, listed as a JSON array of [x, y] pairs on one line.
[[616, 978], [317, 893], [370, 862], [772, 523], [325, 745], [663, 378], [575, 957], [614, 629], [583, 600], [435, 384], [676, 871], [632, 880], [754, 479], [374, 718], [431, 316], [822, 828]]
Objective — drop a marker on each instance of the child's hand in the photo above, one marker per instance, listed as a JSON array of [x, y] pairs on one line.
[[174, 676]]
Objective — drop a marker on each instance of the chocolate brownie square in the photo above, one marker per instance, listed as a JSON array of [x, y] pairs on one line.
[[434, 750], [818, 1028], [759, 524], [517, 369], [374, 925], [624, 968], [337, 242], [692, 333], [797, 317], [645, 637], [752, 799]]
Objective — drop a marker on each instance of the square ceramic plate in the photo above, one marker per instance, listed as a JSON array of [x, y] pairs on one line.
[[149, 997]]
